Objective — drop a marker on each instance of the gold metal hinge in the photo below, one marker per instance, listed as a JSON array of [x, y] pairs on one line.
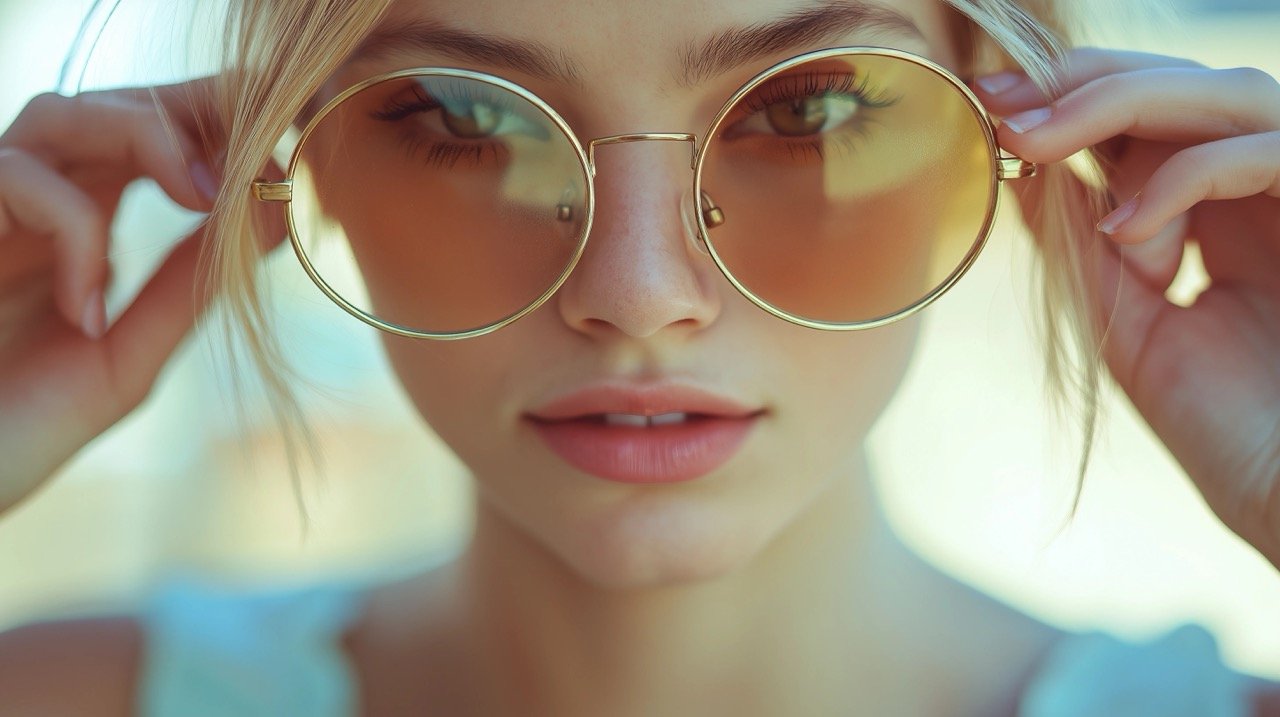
[[273, 191], [1015, 168]]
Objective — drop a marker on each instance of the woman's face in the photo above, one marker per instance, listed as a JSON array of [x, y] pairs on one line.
[[645, 318]]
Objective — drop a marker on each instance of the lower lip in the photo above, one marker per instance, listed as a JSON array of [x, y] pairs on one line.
[[653, 454]]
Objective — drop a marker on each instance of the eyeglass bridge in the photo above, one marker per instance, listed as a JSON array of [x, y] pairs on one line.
[[711, 214], [643, 137]]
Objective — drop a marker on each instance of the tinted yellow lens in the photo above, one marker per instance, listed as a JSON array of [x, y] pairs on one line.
[[852, 187], [439, 203]]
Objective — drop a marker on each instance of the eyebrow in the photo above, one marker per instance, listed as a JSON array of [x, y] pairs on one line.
[[699, 62], [525, 56], [802, 28]]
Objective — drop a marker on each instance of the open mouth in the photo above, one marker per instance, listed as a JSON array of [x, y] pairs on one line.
[[634, 448], [656, 433], [631, 420]]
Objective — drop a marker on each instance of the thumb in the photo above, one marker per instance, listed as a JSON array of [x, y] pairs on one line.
[[141, 341]]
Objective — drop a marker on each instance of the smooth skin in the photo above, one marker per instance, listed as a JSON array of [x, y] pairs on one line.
[[694, 565]]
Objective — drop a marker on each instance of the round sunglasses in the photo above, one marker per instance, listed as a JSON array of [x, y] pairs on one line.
[[841, 189]]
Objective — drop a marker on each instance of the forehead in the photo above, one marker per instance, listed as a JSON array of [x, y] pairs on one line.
[[681, 42]]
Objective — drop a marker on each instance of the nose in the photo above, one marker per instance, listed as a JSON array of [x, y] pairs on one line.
[[641, 271]]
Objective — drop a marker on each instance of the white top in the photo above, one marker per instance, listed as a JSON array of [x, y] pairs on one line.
[[213, 652]]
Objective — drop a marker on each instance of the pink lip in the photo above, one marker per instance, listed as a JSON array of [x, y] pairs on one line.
[[572, 427]]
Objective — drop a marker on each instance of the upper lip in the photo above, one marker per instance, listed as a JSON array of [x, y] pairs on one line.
[[641, 400]]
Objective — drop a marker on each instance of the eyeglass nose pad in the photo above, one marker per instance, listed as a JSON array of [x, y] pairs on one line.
[[564, 210], [688, 214]]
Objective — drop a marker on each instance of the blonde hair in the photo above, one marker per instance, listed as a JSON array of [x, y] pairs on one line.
[[1035, 35], [278, 54]]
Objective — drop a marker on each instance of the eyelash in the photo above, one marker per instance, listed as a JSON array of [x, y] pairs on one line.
[[815, 84], [443, 153], [448, 154], [788, 88], [396, 110]]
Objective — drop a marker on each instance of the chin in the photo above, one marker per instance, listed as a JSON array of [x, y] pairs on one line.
[[658, 543]]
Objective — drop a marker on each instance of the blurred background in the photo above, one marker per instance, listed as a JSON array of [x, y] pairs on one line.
[[181, 485]]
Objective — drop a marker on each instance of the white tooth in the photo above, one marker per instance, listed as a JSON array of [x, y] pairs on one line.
[[624, 419], [667, 419]]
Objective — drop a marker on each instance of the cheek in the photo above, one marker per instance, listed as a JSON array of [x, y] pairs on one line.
[[457, 386], [838, 385]]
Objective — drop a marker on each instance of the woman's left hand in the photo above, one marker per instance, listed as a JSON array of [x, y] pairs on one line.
[[1200, 149]]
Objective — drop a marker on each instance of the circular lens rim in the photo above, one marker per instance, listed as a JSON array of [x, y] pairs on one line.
[[993, 155], [453, 72]]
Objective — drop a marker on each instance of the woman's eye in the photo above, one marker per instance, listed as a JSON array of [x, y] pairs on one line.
[[809, 105], [461, 118], [472, 121], [807, 116]]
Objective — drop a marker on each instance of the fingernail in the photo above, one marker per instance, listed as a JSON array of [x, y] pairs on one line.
[[1110, 224], [204, 181], [1027, 121], [94, 321], [999, 82]]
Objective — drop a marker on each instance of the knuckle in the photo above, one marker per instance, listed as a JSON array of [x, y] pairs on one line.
[[32, 123], [1263, 91], [44, 103], [1184, 171], [1193, 161], [1252, 79]]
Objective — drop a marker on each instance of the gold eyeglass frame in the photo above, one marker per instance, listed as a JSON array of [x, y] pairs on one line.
[[1004, 167]]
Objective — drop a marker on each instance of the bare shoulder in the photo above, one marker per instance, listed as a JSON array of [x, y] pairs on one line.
[[72, 667]]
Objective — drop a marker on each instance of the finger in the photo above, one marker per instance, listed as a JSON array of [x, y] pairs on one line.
[[103, 380], [1012, 91], [1226, 169], [1167, 105], [191, 102], [136, 136], [35, 199]]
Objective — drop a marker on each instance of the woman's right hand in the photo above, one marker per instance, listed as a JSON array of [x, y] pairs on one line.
[[64, 162]]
